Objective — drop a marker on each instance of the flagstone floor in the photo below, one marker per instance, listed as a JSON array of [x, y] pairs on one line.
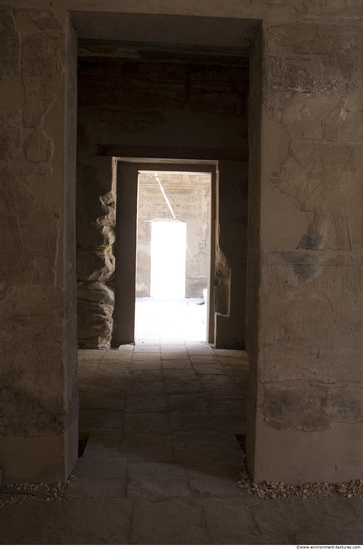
[[159, 466]]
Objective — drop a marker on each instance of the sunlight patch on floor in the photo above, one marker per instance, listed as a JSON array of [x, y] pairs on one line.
[[183, 319]]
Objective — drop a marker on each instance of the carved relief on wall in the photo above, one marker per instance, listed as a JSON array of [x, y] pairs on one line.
[[320, 172], [44, 19], [38, 147], [9, 46], [29, 231], [312, 60], [321, 176], [41, 74]]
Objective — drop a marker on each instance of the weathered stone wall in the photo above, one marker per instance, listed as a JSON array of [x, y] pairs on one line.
[[96, 195], [308, 376], [189, 197], [305, 258], [38, 386], [156, 99]]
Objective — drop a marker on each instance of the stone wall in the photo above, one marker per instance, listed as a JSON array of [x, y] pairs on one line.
[[158, 99], [307, 380], [189, 197], [38, 386], [305, 259]]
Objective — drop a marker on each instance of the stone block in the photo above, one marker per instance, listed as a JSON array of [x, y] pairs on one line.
[[94, 311], [10, 135], [182, 523], [93, 521], [42, 73], [95, 264], [38, 147], [49, 459], [45, 19], [129, 121], [27, 410], [152, 479], [146, 423], [146, 448], [84, 487], [311, 407], [10, 46]]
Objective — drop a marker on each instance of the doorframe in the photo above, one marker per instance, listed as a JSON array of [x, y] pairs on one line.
[[126, 239]]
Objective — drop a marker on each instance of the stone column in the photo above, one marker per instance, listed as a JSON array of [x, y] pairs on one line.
[[305, 260], [231, 255], [38, 380]]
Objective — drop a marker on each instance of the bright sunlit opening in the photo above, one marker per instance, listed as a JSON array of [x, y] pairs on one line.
[[168, 244]]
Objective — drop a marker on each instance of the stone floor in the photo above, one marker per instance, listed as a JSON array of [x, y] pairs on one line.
[[160, 462]]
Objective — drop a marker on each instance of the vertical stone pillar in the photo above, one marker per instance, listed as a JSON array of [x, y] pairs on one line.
[[305, 260], [231, 255], [38, 373]]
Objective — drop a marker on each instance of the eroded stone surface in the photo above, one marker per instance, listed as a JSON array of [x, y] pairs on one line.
[[38, 147], [94, 311], [15, 187], [95, 259], [41, 74], [95, 265], [10, 135], [303, 60], [45, 171], [129, 121], [311, 407], [26, 226], [41, 413], [9, 45], [45, 19], [321, 176]]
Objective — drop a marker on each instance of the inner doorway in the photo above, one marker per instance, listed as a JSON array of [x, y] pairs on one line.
[[128, 283], [173, 255]]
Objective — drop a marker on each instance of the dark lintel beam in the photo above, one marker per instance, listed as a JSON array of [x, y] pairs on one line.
[[187, 153]]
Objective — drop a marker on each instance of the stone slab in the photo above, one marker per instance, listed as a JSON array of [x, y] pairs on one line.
[[146, 448], [209, 485], [181, 420], [104, 419], [96, 488], [204, 440], [172, 522], [186, 402], [99, 521], [34, 522], [145, 403], [146, 423], [153, 479], [99, 466]]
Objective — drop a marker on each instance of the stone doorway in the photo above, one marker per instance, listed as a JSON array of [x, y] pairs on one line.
[[185, 190], [173, 254]]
